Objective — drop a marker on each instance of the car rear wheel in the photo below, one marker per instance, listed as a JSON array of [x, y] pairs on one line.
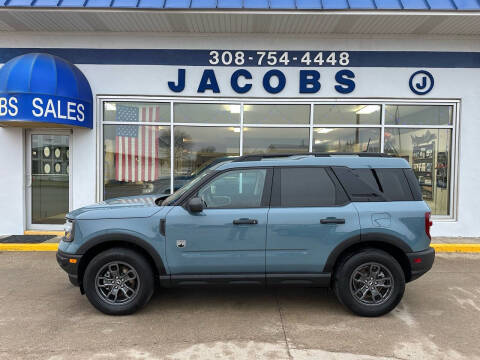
[[118, 281], [370, 283]]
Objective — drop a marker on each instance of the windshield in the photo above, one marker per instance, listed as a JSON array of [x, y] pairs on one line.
[[177, 194]]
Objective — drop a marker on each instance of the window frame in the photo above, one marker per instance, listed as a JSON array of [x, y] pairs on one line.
[[455, 103]]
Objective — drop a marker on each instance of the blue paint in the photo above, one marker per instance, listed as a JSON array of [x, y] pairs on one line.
[[229, 4], [214, 243], [197, 57], [204, 4], [309, 81], [282, 4], [234, 81], [344, 78], [421, 82], [180, 85], [153, 4], [208, 82], [282, 81], [297, 242], [43, 88]]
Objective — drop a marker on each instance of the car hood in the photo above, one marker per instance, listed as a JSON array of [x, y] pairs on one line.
[[118, 208]]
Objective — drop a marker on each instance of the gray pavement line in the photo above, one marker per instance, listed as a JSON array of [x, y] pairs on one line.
[[287, 344]]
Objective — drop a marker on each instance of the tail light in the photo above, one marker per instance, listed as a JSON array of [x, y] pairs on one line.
[[428, 224]]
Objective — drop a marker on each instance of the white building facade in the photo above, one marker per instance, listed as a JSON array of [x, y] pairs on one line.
[[168, 103]]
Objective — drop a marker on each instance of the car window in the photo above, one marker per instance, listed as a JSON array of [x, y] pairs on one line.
[[235, 189], [306, 187], [368, 177], [394, 184]]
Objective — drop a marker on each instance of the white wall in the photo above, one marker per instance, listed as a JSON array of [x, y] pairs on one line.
[[12, 214], [152, 81]]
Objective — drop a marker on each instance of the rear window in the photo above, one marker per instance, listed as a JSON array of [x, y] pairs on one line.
[[377, 184], [394, 184]]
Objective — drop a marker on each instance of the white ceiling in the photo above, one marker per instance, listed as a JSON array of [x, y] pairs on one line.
[[276, 22]]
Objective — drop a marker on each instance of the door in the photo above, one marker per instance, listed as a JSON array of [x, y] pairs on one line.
[[228, 237], [309, 216], [47, 179]]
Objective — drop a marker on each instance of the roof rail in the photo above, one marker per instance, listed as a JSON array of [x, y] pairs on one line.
[[258, 157]]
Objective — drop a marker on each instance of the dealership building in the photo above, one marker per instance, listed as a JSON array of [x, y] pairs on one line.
[[108, 98]]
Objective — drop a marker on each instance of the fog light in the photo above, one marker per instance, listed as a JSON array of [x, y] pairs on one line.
[[72, 261], [417, 260]]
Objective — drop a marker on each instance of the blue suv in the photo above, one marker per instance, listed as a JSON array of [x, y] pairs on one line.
[[353, 222]]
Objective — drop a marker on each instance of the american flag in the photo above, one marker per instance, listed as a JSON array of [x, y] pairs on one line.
[[137, 146]]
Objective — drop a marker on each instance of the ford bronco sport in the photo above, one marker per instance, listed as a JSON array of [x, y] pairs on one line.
[[353, 222]]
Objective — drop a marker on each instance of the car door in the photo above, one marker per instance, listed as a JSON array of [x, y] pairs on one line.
[[228, 237], [310, 215]]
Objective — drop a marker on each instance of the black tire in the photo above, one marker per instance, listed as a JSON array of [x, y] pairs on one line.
[[142, 285], [351, 281]]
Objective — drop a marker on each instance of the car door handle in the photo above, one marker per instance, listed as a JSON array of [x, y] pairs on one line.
[[332, 221], [245, 221]]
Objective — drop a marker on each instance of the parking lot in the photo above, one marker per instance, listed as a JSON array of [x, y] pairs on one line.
[[42, 316]]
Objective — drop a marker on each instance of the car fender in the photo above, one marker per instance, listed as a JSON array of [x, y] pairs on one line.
[[367, 239]]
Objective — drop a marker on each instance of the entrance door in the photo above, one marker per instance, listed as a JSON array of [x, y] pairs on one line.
[[47, 179]]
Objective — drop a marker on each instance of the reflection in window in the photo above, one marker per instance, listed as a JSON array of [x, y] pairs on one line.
[[207, 113], [197, 148], [346, 140], [275, 140], [347, 114], [136, 112], [428, 152], [418, 115], [235, 189], [276, 114], [136, 160]]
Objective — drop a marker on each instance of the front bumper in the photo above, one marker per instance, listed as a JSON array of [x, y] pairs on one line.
[[420, 262], [70, 264]]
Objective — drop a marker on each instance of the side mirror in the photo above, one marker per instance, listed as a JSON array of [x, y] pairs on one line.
[[195, 205]]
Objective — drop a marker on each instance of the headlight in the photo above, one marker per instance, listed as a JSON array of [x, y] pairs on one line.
[[68, 227]]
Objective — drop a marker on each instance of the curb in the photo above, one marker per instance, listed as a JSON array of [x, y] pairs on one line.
[[29, 247], [439, 248], [456, 248]]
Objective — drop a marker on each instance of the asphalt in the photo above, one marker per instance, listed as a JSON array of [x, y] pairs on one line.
[[42, 316]]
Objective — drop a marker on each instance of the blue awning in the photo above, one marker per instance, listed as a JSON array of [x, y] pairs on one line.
[[253, 4], [38, 89]]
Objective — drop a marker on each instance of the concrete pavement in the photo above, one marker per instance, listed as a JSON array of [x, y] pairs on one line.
[[42, 316]]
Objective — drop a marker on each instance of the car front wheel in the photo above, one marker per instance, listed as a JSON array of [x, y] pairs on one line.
[[370, 283], [118, 281]]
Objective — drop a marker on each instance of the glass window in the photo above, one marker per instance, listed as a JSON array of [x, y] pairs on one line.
[[306, 187], [367, 176], [394, 184], [136, 160], [347, 114], [50, 178], [275, 140], [428, 151], [346, 140], [235, 189], [284, 114], [207, 113], [136, 112], [198, 148], [418, 115]]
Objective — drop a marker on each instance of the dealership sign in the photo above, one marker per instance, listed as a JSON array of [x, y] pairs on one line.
[[49, 109], [273, 81]]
